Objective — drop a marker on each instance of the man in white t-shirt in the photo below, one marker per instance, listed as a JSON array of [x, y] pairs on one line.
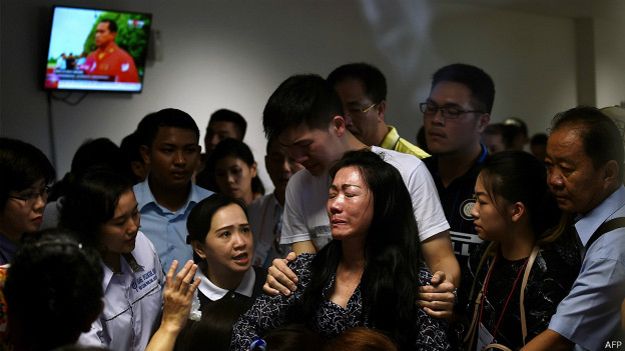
[[306, 116]]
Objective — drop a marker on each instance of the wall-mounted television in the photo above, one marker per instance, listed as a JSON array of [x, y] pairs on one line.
[[97, 50]]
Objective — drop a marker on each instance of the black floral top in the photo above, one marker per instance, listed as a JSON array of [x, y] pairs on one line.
[[550, 280], [270, 312]]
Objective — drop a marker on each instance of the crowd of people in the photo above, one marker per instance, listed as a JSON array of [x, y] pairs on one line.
[[368, 242]]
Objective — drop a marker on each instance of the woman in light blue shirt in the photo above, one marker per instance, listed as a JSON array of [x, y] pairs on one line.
[[101, 208]]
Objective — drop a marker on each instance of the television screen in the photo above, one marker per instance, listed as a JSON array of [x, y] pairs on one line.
[[100, 50]]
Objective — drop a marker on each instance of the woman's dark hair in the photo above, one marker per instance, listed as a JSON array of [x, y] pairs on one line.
[[391, 276], [21, 165], [53, 291], [292, 337], [90, 202], [214, 330], [517, 176], [237, 149], [361, 339], [201, 216]]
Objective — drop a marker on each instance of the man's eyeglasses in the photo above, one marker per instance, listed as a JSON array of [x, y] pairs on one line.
[[30, 196], [448, 112], [356, 111]]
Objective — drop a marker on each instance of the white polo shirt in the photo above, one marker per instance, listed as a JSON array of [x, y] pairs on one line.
[[305, 216]]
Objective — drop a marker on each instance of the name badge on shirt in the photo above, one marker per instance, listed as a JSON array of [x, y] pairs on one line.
[[144, 280], [484, 338]]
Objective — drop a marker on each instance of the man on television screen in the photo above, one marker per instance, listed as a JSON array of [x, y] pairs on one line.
[[109, 59]]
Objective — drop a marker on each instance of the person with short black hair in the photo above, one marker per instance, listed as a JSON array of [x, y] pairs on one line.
[[455, 115], [170, 147], [101, 209], [25, 176], [99, 152], [498, 137], [585, 173], [538, 146], [224, 124], [266, 213], [305, 114], [518, 129], [53, 292], [362, 90], [108, 59], [131, 148]]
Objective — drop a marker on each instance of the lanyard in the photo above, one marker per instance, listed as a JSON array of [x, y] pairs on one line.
[[485, 292]]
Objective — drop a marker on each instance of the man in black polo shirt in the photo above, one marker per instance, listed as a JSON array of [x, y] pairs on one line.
[[455, 114]]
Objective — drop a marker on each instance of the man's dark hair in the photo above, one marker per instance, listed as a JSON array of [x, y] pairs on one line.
[[301, 99], [169, 117], [112, 25], [518, 123], [64, 299], [370, 76], [539, 139], [21, 165], [130, 147], [225, 115], [100, 152], [601, 137], [479, 82], [507, 133]]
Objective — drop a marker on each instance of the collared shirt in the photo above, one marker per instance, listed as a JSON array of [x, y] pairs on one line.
[[166, 229], [7, 250], [214, 293], [458, 200], [392, 141], [265, 216], [132, 301], [215, 301], [590, 314]]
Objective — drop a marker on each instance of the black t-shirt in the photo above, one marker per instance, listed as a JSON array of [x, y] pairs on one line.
[[457, 200]]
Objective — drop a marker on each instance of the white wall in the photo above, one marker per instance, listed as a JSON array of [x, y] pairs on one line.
[[610, 62], [233, 54]]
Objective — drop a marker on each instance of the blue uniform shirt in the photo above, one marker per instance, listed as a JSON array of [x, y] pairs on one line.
[[166, 229], [590, 314], [132, 301]]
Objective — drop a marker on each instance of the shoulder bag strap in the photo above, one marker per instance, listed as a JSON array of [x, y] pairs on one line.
[[526, 274], [473, 327], [606, 227]]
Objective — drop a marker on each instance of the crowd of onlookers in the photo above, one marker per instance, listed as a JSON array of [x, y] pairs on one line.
[[368, 241]]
